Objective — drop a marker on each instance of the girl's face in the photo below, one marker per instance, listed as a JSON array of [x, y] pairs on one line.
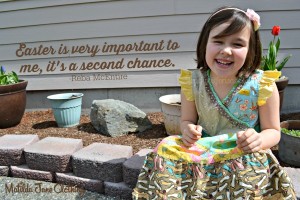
[[225, 56]]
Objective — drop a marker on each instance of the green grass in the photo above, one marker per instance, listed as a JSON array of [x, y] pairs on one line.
[[291, 132]]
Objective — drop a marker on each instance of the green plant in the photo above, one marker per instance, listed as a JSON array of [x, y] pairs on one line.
[[8, 78], [269, 61], [291, 132]]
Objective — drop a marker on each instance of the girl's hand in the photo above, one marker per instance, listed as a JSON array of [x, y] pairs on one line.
[[249, 141], [191, 134]]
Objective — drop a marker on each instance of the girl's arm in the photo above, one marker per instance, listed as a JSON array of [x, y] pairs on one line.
[[190, 131], [270, 120], [250, 140]]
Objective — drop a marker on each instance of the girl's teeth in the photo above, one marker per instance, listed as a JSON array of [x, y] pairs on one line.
[[224, 63]]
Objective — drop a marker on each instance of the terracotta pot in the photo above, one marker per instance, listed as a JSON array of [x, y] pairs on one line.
[[289, 146], [13, 103], [281, 85]]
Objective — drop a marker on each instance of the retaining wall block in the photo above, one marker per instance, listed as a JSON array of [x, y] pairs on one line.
[[85, 183], [101, 161], [132, 167], [120, 190], [52, 154], [12, 146], [4, 170], [23, 171]]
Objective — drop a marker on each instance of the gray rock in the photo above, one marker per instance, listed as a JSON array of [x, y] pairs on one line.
[[115, 118]]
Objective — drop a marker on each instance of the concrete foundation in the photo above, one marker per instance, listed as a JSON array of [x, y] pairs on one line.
[[145, 99]]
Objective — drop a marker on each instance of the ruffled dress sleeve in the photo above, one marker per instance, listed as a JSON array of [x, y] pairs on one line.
[[185, 81], [266, 85]]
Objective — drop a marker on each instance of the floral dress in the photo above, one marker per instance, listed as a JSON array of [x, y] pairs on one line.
[[214, 168]]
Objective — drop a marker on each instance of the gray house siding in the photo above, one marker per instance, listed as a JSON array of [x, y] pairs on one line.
[[73, 23]]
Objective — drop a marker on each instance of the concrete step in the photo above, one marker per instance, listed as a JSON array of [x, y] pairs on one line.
[[9, 190], [294, 174], [52, 154], [101, 161]]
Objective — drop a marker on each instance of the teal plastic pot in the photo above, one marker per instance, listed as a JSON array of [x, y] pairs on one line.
[[66, 108]]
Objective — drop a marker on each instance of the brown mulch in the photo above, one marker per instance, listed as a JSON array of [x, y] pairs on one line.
[[43, 124]]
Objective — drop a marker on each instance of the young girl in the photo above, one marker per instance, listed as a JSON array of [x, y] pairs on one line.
[[229, 122]]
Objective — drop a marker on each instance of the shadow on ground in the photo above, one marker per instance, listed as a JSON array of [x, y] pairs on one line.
[[44, 125]]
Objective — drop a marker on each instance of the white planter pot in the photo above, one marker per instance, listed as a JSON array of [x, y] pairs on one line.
[[66, 108], [171, 108]]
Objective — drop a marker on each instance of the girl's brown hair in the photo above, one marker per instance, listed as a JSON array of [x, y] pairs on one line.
[[238, 20]]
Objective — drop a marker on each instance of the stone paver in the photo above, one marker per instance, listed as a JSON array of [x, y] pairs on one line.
[[294, 174], [4, 170], [85, 183], [101, 161], [23, 171], [120, 190], [132, 167], [52, 154], [12, 146]]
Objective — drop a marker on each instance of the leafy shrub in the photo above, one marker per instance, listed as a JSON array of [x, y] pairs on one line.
[[8, 78], [291, 132]]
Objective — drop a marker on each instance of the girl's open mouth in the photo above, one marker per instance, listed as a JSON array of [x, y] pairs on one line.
[[224, 63]]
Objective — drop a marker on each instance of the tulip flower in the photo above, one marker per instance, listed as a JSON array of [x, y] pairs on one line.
[[269, 61]]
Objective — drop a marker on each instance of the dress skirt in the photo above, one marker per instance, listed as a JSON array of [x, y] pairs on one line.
[[231, 175]]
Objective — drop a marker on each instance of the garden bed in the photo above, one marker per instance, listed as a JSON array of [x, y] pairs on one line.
[[43, 124]]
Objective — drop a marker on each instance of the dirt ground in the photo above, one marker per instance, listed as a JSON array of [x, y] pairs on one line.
[[43, 124]]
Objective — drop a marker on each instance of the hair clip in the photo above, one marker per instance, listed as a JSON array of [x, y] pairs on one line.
[[254, 17]]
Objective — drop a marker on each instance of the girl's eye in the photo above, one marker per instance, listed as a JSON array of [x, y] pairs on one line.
[[238, 45], [218, 42]]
